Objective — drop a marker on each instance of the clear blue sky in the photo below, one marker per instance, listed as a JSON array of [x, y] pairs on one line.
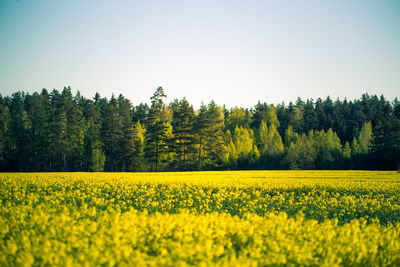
[[235, 52]]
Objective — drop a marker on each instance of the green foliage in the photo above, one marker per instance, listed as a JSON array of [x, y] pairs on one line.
[[112, 134], [97, 160], [243, 141], [274, 145], [264, 112], [365, 138], [290, 136], [183, 141], [302, 154], [157, 135], [139, 140], [328, 148], [60, 132], [238, 117], [127, 140], [210, 137], [347, 151]]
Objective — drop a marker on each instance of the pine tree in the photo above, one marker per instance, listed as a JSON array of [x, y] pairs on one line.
[[5, 119], [386, 145], [183, 140], [200, 127], [295, 116], [127, 138], [215, 149], [94, 157], [112, 134], [309, 116], [37, 107], [157, 130], [396, 108], [209, 129], [20, 126], [57, 132], [76, 130]]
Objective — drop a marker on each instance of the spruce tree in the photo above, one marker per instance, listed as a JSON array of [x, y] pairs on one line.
[[112, 134], [157, 130], [126, 142], [210, 137], [183, 140]]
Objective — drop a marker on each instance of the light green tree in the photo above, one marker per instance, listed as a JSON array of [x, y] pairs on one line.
[[290, 136], [98, 157], [365, 137], [274, 145], [243, 140]]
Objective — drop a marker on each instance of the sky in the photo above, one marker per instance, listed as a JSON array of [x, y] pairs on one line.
[[233, 52]]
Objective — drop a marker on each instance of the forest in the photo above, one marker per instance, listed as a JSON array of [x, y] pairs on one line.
[[59, 131]]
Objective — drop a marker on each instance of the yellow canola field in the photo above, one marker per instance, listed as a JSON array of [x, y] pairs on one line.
[[249, 218]]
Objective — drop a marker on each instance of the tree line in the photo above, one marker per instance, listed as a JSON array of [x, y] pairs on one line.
[[59, 131]]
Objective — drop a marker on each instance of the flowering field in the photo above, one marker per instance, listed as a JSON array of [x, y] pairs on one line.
[[200, 218]]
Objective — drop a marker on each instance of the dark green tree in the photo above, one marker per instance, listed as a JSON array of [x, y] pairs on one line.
[[157, 130], [238, 117], [127, 139], [209, 129], [183, 140], [37, 107], [112, 134], [20, 126], [5, 120], [75, 132]]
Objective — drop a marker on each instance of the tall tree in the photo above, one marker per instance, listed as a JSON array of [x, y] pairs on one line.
[[76, 130], [209, 128], [37, 107], [20, 125], [396, 108], [157, 129], [183, 140], [5, 118], [94, 157], [386, 145], [112, 134], [57, 132], [127, 138], [140, 113], [309, 116]]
